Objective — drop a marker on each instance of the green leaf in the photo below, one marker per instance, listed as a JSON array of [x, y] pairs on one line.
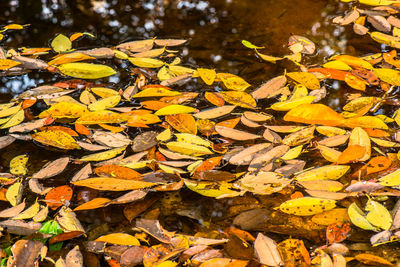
[[250, 45], [61, 43], [86, 70]]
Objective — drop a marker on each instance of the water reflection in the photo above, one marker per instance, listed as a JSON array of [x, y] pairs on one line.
[[215, 29]]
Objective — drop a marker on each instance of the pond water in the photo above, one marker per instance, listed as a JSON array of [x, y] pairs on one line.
[[215, 29]]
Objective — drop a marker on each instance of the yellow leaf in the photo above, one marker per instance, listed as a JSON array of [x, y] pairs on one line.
[[328, 172], [388, 75], [109, 154], [193, 139], [102, 116], [291, 104], [28, 213], [293, 153], [378, 215], [156, 92], [359, 137], [18, 165], [61, 43], [213, 189], [119, 239], [56, 138], [67, 219], [15, 119], [328, 153], [357, 217], [113, 184], [104, 92], [6, 64], [14, 192], [335, 64], [188, 149], [305, 78], [208, 76], [306, 206], [353, 61], [338, 215], [233, 82], [391, 179], [68, 58], [105, 103], [314, 114], [64, 110], [174, 109], [330, 131], [146, 62], [86, 70], [240, 99], [365, 122], [268, 58]]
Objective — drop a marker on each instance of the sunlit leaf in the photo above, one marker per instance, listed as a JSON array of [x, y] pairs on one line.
[[86, 70], [113, 184], [61, 43], [59, 139], [307, 206], [119, 239]]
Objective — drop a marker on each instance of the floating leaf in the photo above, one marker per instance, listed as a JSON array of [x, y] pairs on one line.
[[28, 213], [102, 116], [18, 165], [52, 168], [207, 75], [235, 134], [329, 172], [212, 189], [86, 70], [184, 123], [119, 239], [188, 149], [305, 78], [314, 114], [113, 184], [13, 194], [55, 138], [241, 99], [104, 155], [61, 43], [378, 215], [105, 103], [174, 109], [233, 82], [93, 204], [146, 62], [6, 64], [214, 112], [306, 206], [57, 196], [358, 218], [267, 251]]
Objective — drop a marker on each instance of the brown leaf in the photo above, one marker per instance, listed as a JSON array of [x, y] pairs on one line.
[[13, 211], [26, 253], [269, 88], [19, 227], [74, 258], [52, 168], [235, 134], [144, 141], [267, 251], [154, 228]]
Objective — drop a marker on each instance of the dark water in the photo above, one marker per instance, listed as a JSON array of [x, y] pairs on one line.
[[214, 28]]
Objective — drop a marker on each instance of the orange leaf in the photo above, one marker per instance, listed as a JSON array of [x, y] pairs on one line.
[[214, 98], [209, 164], [351, 154], [93, 204], [3, 194], [376, 132], [184, 123], [113, 129], [331, 73], [117, 171], [375, 164], [57, 196], [154, 104], [60, 128], [314, 114], [28, 103], [82, 129], [65, 236]]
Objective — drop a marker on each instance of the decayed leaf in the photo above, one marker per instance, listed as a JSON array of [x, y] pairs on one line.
[[56, 138], [371, 259], [238, 98], [19, 227], [113, 184], [26, 253], [52, 168], [13, 194], [267, 251], [235, 134], [246, 155], [305, 78], [329, 172], [184, 123], [306, 206], [213, 189], [214, 112], [119, 239], [74, 258]]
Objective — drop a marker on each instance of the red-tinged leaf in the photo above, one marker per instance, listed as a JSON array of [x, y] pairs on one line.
[[214, 98], [209, 164], [65, 236], [82, 129], [337, 232], [58, 196], [28, 103], [331, 73], [184, 123], [314, 114]]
